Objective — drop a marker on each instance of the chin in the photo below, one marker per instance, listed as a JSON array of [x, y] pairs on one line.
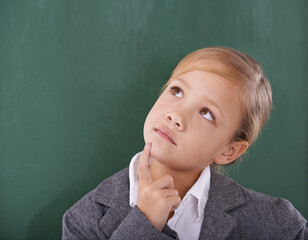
[[161, 150], [164, 157], [158, 153]]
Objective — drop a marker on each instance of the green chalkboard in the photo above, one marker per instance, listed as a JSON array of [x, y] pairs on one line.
[[77, 79]]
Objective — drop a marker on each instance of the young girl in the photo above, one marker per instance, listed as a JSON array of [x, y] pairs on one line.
[[209, 112]]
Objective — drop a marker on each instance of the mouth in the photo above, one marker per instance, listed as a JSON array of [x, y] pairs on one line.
[[165, 133]]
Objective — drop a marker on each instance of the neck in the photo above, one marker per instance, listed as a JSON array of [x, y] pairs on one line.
[[183, 179]]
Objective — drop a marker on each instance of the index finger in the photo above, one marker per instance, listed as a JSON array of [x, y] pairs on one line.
[[144, 173]]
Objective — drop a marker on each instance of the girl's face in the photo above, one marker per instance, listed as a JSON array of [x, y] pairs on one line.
[[201, 112]]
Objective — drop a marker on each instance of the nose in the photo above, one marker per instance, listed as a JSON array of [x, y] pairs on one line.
[[175, 119]]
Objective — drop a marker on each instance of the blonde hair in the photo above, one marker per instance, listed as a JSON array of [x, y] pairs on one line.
[[256, 95]]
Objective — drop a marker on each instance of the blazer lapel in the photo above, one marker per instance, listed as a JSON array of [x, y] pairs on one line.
[[224, 195], [114, 194]]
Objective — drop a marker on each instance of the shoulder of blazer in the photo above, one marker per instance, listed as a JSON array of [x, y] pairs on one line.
[[113, 190], [100, 211], [235, 210], [272, 215]]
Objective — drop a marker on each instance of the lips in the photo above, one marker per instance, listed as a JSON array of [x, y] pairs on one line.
[[165, 133]]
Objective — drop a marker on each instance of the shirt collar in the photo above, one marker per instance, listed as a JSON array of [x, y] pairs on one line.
[[133, 179], [199, 190]]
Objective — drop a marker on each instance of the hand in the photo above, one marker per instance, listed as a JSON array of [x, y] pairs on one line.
[[155, 199]]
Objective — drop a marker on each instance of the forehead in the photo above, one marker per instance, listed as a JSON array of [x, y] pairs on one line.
[[209, 83], [213, 66]]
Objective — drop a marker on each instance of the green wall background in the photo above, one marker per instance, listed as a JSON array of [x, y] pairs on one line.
[[77, 79]]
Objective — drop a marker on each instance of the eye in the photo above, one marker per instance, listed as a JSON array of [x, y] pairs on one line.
[[176, 91], [206, 113]]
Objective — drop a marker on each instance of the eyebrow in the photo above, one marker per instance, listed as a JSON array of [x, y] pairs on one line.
[[209, 100]]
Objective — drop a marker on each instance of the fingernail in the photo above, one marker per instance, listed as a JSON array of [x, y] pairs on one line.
[[150, 160], [148, 145]]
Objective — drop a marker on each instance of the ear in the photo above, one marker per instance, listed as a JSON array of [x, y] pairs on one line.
[[234, 151]]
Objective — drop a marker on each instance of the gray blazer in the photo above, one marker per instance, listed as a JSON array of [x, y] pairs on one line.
[[231, 212]]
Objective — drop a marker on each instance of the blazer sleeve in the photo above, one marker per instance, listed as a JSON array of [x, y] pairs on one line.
[[137, 226], [82, 221]]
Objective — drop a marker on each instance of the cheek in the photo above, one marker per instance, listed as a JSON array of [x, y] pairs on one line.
[[149, 122], [146, 127], [208, 141], [155, 112], [149, 118]]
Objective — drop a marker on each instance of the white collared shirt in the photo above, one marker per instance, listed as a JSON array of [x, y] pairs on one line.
[[187, 218]]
